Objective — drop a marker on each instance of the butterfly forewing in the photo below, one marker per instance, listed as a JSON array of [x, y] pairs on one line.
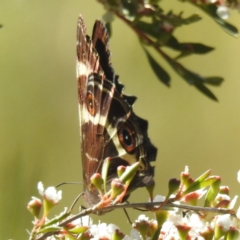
[[108, 126]]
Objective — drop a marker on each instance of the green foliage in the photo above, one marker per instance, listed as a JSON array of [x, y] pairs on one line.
[[155, 29]]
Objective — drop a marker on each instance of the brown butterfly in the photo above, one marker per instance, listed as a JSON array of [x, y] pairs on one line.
[[108, 126]]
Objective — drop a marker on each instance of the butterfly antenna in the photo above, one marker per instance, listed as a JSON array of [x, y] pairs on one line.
[[75, 201], [127, 215], [139, 209], [128, 218], [64, 183]]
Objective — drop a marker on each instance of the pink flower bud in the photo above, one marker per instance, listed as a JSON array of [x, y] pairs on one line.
[[34, 206]]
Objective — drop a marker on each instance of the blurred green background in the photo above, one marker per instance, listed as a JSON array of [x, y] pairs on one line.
[[39, 131]]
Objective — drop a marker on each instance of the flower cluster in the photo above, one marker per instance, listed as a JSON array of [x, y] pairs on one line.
[[177, 215], [50, 196], [116, 192]]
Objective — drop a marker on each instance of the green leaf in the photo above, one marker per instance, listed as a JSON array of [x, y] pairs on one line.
[[212, 191], [178, 20], [78, 230], [63, 215], [190, 48], [187, 48], [162, 75], [153, 29], [173, 43], [105, 168], [192, 19], [130, 172], [197, 184], [199, 47], [191, 77], [216, 81], [49, 229], [211, 10], [203, 176], [205, 90]]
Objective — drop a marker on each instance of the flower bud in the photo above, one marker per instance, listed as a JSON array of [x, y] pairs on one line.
[[161, 216], [192, 198], [35, 206], [233, 234], [104, 174], [222, 225], [129, 173], [117, 235], [145, 227], [121, 170], [173, 186], [97, 181], [224, 190], [183, 230], [117, 188]]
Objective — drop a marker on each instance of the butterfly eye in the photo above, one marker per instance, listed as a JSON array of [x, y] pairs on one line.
[[91, 104], [126, 138]]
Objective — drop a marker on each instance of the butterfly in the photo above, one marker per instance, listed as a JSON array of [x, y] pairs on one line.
[[108, 126]]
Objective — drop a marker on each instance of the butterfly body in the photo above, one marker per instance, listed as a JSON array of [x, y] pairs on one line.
[[108, 126]]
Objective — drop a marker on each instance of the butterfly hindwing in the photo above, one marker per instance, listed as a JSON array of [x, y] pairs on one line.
[[108, 126]]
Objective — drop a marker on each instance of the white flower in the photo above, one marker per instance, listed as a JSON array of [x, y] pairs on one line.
[[232, 202], [50, 193], [159, 198], [238, 213], [169, 231], [195, 221], [83, 221], [40, 188], [53, 195], [197, 226], [238, 176], [186, 169], [134, 234], [142, 218], [177, 219], [221, 197], [223, 12], [86, 220], [111, 228], [99, 230], [224, 221], [103, 231]]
